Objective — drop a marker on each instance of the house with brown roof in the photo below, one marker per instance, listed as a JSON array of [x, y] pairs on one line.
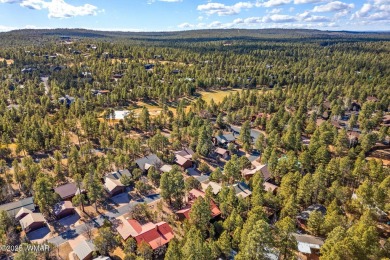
[[156, 235], [183, 158], [32, 221], [270, 187], [223, 153], [192, 196], [63, 209], [68, 191], [263, 169]]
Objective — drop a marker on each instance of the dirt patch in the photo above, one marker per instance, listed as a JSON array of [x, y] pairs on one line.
[[64, 250], [9, 62]]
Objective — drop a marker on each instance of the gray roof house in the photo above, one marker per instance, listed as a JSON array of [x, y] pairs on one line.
[[304, 215], [225, 139], [308, 244], [84, 250], [241, 189], [146, 162], [14, 207], [112, 181]]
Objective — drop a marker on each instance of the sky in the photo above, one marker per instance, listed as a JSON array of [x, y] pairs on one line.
[[174, 15]]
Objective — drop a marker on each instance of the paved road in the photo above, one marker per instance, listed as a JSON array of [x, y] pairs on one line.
[[98, 221]]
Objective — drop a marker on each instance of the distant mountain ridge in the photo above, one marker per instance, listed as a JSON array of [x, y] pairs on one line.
[[37, 36]]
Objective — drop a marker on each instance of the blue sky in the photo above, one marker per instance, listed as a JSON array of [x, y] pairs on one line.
[[172, 15]]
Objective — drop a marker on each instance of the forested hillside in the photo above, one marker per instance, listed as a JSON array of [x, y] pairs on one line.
[[287, 134]]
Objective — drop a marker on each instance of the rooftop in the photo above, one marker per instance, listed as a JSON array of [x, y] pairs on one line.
[[13, 207], [67, 191]]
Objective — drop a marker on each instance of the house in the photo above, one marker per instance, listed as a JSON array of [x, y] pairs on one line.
[[355, 107], [117, 76], [184, 158], [22, 213], [56, 68], [224, 140], [192, 196], [84, 250], [68, 191], [270, 187], [149, 66], [263, 169], [63, 209], [215, 187], [156, 235], [102, 258], [13, 208], [223, 153], [236, 131], [118, 114], [67, 100], [353, 137], [27, 70], [146, 162], [166, 168], [241, 189], [176, 71], [309, 245], [304, 215], [32, 221], [386, 120], [113, 183]]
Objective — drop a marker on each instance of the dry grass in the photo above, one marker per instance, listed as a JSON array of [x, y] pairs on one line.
[[118, 253], [166, 62], [217, 96], [64, 250], [9, 62], [12, 147], [385, 162]]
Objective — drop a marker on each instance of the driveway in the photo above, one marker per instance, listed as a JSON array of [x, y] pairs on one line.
[[98, 221]]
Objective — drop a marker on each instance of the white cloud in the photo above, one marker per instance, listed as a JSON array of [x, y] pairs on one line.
[[366, 8], [185, 25], [307, 17], [274, 11], [222, 9], [335, 6], [57, 8], [297, 2], [272, 3], [167, 1], [60, 9], [381, 2], [4, 28], [279, 18], [32, 4], [9, 1], [375, 11]]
